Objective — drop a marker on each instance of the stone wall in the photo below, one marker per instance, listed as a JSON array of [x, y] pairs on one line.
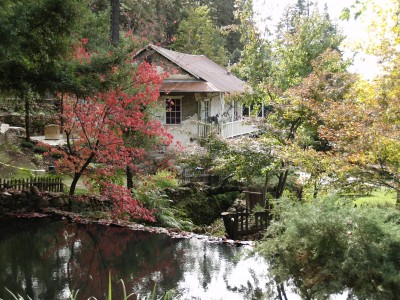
[[38, 121], [34, 200]]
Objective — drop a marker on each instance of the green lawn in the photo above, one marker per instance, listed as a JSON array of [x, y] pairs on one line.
[[382, 197], [14, 163]]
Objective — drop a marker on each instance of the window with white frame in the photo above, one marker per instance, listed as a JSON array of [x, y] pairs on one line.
[[173, 109], [206, 109]]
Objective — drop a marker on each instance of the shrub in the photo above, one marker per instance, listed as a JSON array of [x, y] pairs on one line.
[[151, 193], [164, 179], [328, 247], [203, 209], [27, 144], [40, 149], [56, 154]]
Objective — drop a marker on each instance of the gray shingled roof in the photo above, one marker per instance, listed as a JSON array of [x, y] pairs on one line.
[[217, 78]]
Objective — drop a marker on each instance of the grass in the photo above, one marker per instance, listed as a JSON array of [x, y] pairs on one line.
[[81, 188], [379, 197], [14, 163], [74, 294]]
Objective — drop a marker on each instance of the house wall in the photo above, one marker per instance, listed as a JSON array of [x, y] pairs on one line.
[[164, 65], [188, 128], [192, 104], [189, 106]]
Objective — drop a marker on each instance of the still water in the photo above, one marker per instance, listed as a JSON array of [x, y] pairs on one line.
[[47, 259]]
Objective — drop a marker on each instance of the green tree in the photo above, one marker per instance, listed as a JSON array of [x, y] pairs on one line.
[[363, 127], [223, 14], [329, 247], [198, 35], [300, 50], [155, 20], [363, 130], [254, 65], [302, 36], [36, 35]]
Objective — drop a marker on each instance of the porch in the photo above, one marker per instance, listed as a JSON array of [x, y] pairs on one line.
[[225, 129]]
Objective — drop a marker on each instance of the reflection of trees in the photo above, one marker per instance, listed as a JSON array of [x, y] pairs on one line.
[[23, 245], [208, 265], [63, 256], [45, 260], [138, 256]]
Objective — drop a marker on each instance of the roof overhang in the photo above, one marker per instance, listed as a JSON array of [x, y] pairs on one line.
[[188, 87]]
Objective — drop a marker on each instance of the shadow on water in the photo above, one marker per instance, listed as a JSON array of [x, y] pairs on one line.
[[47, 259]]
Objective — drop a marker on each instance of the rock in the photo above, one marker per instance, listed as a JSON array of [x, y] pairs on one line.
[[43, 202], [17, 131], [16, 194], [238, 205], [58, 202], [7, 195], [35, 191]]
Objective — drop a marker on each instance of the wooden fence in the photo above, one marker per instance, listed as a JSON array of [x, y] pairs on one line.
[[49, 184]]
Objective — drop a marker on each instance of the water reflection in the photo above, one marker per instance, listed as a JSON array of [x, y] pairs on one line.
[[46, 260]]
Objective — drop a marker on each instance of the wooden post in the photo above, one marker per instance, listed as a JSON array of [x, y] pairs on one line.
[[235, 226]]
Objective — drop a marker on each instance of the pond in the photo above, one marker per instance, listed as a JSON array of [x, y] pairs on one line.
[[48, 259]]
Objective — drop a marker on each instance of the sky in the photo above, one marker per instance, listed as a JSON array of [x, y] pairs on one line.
[[365, 65]]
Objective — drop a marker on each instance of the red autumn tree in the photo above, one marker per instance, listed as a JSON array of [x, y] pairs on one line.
[[117, 102]]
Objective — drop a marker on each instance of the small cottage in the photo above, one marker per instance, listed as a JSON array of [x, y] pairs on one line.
[[193, 101]]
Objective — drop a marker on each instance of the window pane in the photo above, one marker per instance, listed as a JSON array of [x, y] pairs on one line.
[[173, 111]]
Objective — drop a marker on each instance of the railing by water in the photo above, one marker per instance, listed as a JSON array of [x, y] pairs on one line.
[[240, 224], [50, 184], [246, 221]]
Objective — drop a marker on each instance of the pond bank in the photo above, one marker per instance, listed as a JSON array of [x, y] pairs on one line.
[[12, 200], [172, 232], [74, 208]]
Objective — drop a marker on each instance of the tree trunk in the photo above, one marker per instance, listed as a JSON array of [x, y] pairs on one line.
[[316, 190], [115, 21], [27, 117], [398, 197], [281, 183], [129, 177], [74, 183], [62, 112], [265, 189], [77, 175]]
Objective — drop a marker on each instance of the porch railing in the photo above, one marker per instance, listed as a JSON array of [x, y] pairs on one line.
[[236, 128], [226, 130], [205, 129]]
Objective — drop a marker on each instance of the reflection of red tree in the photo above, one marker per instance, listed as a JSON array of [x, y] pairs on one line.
[[94, 250]]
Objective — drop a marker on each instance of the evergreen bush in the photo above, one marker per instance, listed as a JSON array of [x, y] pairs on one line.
[[329, 247]]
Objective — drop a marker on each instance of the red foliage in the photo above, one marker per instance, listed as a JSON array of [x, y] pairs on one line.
[[125, 204], [95, 128]]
